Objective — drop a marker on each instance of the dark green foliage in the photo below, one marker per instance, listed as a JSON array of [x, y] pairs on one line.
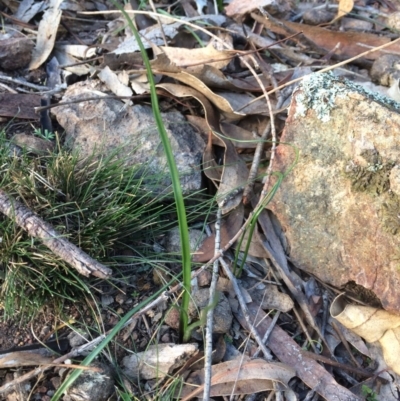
[[100, 205]]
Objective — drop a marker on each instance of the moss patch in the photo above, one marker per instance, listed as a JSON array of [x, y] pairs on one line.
[[390, 214], [374, 180]]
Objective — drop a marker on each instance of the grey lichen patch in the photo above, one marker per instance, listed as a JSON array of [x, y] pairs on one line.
[[373, 178], [319, 91]]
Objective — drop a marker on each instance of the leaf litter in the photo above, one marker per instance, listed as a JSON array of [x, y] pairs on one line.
[[202, 60]]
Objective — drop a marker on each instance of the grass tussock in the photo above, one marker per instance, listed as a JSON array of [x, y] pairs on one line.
[[100, 205]]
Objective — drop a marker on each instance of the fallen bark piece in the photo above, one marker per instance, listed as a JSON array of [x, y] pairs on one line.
[[37, 228], [19, 105], [339, 206], [15, 53]]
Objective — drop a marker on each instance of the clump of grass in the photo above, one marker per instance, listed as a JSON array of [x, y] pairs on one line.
[[100, 205]]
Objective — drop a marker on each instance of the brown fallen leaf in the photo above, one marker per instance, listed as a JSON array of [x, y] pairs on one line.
[[163, 65], [240, 137], [256, 248], [23, 358], [232, 377], [211, 169], [351, 43], [235, 172], [195, 59], [373, 325]]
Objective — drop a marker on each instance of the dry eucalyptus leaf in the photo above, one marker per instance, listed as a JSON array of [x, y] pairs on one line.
[[237, 8], [28, 9], [235, 172], [65, 58], [114, 84], [222, 104], [47, 32], [193, 60], [373, 325], [234, 378], [345, 6]]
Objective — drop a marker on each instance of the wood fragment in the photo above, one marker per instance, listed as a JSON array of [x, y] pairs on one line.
[[19, 105], [61, 247]]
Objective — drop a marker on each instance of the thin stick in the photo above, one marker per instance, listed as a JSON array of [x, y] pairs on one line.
[[242, 303], [268, 333], [37, 228], [255, 164], [23, 83], [210, 312]]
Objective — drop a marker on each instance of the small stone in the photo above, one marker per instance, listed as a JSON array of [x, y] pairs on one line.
[[121, 298], [33, 144], [77, 338], [106, 300], [172, 318], [316, 17], [356, 24], [131, 130], [223, 317], [91, 385], [204, 278]]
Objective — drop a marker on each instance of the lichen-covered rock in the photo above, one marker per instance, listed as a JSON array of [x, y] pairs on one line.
[[107, 126], [92, 385], [338, 207]]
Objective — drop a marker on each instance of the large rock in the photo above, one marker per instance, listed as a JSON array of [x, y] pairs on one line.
[[105, 125], [340, 205]]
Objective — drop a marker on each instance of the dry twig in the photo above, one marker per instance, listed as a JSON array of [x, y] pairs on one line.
[[210, 313], [61, 247]]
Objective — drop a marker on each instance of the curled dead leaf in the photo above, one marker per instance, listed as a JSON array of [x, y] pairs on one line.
[[47, 32], [373, 325]]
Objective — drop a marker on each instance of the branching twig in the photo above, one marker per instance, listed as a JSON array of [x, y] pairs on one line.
[[37, 228], [268, 333], [242, 303]]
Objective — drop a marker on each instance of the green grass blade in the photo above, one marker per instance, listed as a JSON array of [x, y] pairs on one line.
[[176, 185]]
